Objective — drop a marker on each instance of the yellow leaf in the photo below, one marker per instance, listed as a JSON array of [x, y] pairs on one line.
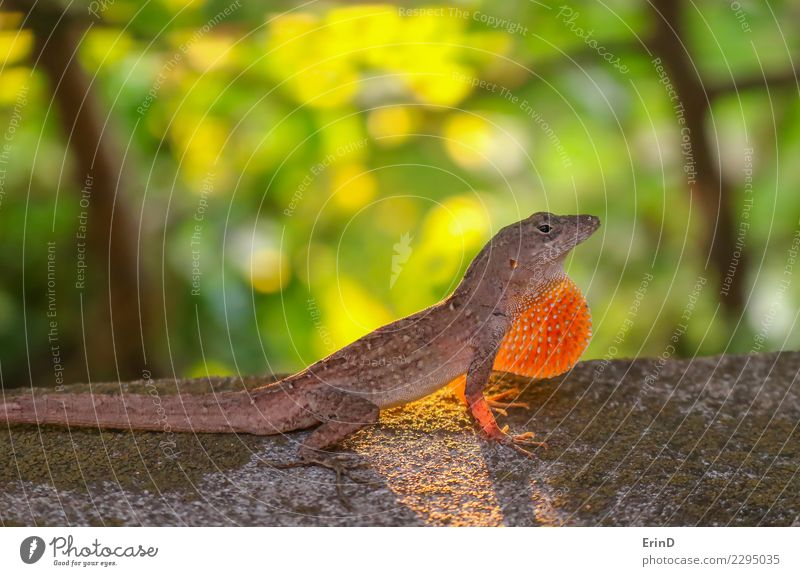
[[13, 81], [15, 45]]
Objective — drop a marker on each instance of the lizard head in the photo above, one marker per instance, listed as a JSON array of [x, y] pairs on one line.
[[527, 254], [544, 237], [537, 246]]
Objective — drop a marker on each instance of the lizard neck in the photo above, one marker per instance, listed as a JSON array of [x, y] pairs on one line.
[[520, 300], [480, 296]]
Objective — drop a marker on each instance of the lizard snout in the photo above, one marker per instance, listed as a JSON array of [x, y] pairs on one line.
[[587, 224], [593, 221]]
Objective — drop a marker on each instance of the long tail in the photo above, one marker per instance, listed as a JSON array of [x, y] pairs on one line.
[[271, 409]]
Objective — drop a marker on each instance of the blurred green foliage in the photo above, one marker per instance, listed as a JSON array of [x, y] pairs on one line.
[[340, 165]]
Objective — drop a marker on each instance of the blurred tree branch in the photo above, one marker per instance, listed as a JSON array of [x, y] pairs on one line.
[[786, 79], [711, 189], [116, 308]]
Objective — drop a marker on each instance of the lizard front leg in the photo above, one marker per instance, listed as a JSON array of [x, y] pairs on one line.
[[480, 369]]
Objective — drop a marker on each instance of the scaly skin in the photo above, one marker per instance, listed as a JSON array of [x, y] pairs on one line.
[[393, 365]]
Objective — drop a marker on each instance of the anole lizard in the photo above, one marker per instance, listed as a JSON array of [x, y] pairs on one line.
[[515, 310]]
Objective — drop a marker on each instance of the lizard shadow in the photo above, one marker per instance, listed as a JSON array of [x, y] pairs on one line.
[[513, 485], [518, 482]]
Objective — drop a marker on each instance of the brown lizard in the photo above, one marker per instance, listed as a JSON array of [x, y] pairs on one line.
[[515, 310]]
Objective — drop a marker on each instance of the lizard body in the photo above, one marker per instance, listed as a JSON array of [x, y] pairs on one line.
[[504, 314]]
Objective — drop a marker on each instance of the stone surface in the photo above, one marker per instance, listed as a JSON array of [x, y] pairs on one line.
[[714, 441]]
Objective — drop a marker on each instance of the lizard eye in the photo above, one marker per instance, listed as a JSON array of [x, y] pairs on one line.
[[544, 228]]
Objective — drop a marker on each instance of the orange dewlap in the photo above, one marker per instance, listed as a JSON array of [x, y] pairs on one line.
[[548, 338]]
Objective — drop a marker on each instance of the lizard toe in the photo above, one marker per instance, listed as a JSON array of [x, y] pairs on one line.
[[518, 442], [498, 402]]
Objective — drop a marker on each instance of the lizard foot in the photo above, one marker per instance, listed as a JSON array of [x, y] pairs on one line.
[[483, 417], [341, 464], [496, 401], [518, 442]]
